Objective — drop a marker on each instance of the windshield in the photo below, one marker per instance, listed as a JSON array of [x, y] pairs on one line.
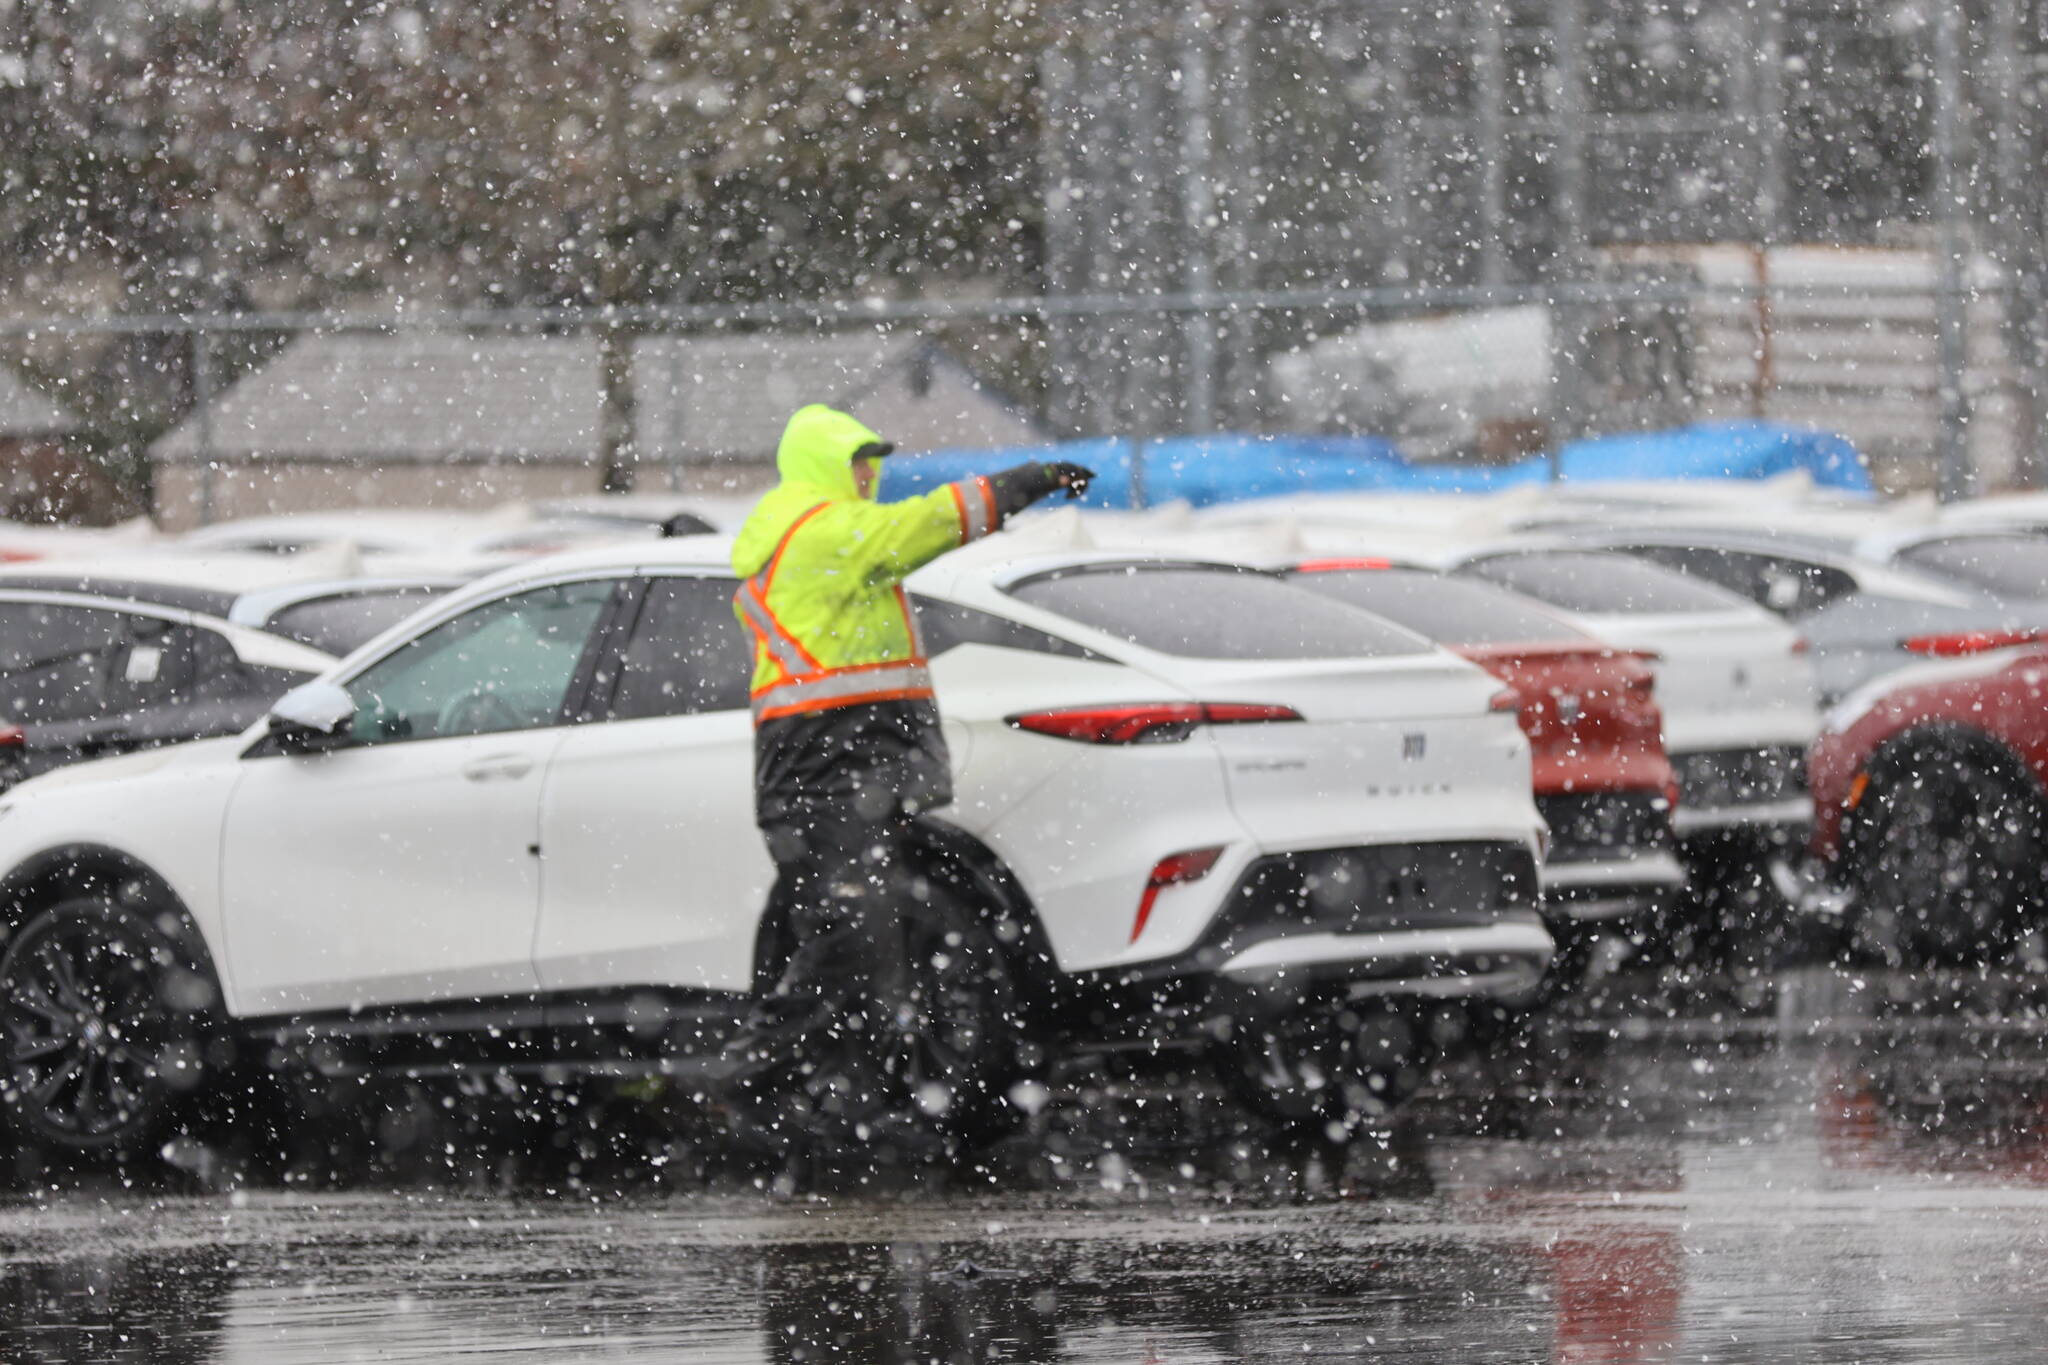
[[2013, 565], [1601, 584], [1214, 613], [1455, 611]]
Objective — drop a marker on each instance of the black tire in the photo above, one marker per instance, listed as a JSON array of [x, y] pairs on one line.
[[1319, 1065], [1947, 858], [950, 1075], [105, 1023]]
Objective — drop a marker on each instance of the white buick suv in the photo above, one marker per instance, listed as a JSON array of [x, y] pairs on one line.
[[1197, 808]]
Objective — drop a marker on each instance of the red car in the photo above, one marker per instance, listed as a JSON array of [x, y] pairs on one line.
[[1596, 738], [1930, 793]]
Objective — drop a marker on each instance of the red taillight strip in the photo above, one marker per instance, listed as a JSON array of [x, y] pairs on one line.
[[13, 737], [1172, 870], [1341, 565], [1130, 723], [1948, 646]]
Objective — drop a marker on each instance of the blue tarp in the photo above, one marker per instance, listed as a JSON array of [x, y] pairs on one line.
[[1721, 450], [1204, 470]]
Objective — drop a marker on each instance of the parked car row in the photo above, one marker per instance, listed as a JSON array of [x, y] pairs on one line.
[[1308, 799]]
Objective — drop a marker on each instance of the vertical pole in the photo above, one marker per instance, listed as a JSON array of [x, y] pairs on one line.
[[1198, 210], [202, 394], [1766, 116], [1238, 171], [672, 419], [1141, 241], [1573, 260], [1065, 241], [1490, 73], [1954, 474], [2015, 226], [1396, 121]]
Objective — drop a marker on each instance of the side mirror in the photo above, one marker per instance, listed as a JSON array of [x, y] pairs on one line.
[[312, 716]]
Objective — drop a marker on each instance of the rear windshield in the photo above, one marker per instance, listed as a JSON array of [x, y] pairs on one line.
[[2016, 566], [1201, 613], [1578, 580], [1456, 611], [339, 624]]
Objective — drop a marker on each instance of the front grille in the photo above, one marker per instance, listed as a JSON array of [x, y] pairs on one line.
[[1718, 778], [1587, 826], [1370, 890]]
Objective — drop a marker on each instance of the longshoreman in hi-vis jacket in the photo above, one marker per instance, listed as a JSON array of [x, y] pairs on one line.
[[847, 747]]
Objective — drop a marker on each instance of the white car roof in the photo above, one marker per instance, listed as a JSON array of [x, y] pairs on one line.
[[1870, 575], [222, 571], [399, 528], [723, 510], [2008, 510]]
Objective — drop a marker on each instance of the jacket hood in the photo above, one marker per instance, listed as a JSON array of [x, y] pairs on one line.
[[815, 461], [817, 450]]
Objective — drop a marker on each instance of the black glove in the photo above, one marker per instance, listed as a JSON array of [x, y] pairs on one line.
[[1075, 478], [1017, 488]]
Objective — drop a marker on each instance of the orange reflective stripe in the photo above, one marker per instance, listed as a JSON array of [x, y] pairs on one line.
[[774, 638], [857, 685], [820, 675], [910, 629], [783, 648], [960, 509], [805, 708], [988, 503]]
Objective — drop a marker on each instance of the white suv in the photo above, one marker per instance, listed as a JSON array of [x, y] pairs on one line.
[[517, 831]]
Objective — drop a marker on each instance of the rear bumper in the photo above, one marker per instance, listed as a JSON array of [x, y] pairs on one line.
[[1730, 790], [1610, 888], [1790, 816], [1446, 919], [1503, 959]]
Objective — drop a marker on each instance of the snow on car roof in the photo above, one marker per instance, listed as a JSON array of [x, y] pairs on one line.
[[230, 572], [398, 527]]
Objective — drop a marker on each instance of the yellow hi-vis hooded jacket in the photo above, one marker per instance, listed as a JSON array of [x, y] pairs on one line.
[[823, 569]]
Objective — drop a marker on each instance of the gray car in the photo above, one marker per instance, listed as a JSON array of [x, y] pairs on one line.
[[1861, 619]]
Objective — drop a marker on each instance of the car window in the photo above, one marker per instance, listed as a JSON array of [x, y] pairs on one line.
[[1205, 613], [504, 665], [56, 662], [947, 625], [687, 653], [340, 623], [1584, 580], [1780, 583], [2013, 565], [1456, 611]]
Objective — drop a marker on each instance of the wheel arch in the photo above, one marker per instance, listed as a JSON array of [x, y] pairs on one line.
[[84, 869], [950, 853], [1909, 750]]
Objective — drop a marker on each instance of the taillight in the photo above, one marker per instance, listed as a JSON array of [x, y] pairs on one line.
[[1950, 645], [1507, 699], [1159, 722], [1801, 645], [13, 737], [1341, 565], [1172, 870]]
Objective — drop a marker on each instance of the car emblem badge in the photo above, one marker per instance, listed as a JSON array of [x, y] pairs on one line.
[[1412, 747], [1569, 708]]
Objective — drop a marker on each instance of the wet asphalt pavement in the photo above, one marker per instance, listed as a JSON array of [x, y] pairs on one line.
[[1822, 1168]]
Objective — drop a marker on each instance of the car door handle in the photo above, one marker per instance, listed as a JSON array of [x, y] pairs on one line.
[[498, 767]]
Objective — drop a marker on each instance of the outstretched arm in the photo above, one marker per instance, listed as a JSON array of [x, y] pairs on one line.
[[890, 541]]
